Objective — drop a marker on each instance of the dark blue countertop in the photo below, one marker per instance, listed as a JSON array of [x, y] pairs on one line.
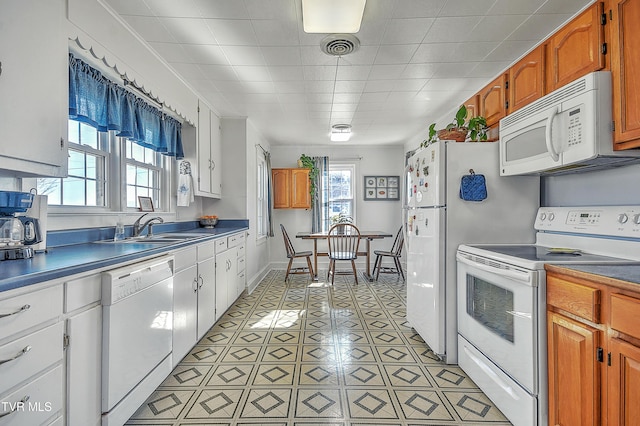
[[73, 258]]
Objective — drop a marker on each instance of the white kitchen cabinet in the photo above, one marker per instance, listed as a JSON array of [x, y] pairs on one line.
[[31, 354], [83, 313], [209, 153], [194, 297], [33, 88], [230, 271]]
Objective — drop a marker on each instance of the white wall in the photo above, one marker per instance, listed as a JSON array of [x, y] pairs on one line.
[[370, 215]]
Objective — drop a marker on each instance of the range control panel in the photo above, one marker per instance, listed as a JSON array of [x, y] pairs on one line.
[[621, 221]]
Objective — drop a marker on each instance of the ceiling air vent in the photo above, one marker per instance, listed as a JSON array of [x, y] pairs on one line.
[[339, 44]]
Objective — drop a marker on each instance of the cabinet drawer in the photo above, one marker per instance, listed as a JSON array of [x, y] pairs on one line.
[[241, 264], [221, 245], [574, 298], [43, 399], [82, 292], [235, 239], [241, 249], [184, 258], [206, 251], [29, 309], [624, 314], [33, 353]]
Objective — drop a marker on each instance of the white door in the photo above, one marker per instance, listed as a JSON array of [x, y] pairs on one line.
[[425, 276]]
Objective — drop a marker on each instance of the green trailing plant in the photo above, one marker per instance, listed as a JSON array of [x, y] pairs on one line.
[[433, 136], [459, 119], [309, 163], [476, 128]]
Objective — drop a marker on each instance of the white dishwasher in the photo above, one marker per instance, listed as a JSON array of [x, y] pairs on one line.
[[137, 310]]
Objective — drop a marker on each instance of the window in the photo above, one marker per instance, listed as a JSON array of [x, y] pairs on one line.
[[341, 191], [142, 177], [263, 195], [86, 181]]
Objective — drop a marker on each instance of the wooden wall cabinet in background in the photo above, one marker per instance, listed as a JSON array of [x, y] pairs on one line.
[[625, 62], [527, 79], [593, 349], [577, 48], [291, 188]]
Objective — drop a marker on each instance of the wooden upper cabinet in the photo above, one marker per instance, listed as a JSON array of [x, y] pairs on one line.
[[493, 100], [291, 188], [577, 48], [473, 106], [625, 63], [526, 79]]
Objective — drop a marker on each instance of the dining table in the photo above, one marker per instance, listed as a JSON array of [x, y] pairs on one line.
[[367, 236]]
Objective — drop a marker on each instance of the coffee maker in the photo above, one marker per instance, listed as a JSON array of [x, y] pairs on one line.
[[18, 233]]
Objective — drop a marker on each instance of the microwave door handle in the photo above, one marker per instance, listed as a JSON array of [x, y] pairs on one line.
[[509, 273], [549, 137]]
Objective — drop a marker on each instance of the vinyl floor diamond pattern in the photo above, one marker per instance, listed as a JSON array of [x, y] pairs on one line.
[[305, 354]]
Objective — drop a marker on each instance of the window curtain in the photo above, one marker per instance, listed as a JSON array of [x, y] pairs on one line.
[[320, 196], [267, 160], [99, 102]]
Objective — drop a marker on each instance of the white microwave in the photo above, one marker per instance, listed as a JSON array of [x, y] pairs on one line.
[[568, 130]]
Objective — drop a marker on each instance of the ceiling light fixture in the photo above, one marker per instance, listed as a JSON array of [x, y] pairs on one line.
[[332, 16], [340, 132]]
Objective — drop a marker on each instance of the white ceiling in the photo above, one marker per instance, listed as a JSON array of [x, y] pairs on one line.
[[418, 60]]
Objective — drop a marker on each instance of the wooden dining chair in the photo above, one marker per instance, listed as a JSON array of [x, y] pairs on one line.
[[395, 253], [293, 254], [343, 239]]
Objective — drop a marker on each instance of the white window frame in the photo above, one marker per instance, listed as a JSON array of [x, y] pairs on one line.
[[162, 168], [351, 167], [262, 192]]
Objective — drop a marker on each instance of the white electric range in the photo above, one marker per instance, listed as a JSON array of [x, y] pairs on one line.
[[502, 300]]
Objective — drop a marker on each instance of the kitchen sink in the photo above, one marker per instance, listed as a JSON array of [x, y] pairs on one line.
[[157, 239]]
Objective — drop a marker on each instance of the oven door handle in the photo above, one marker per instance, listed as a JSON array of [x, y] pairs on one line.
[[509, 273]]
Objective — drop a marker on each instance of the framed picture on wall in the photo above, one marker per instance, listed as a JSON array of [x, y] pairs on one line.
[[381, 188]]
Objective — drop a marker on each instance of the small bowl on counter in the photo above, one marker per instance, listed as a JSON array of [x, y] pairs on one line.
[[208, 222]]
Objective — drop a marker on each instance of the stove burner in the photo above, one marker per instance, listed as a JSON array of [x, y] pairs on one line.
[[16, 253]]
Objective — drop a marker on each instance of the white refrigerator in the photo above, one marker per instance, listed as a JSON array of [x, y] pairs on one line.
[[437, 221]]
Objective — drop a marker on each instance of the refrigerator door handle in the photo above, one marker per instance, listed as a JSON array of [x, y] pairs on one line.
[[523, 277]]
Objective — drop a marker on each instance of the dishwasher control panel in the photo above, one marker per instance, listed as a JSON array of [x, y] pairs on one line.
[[120, 283]]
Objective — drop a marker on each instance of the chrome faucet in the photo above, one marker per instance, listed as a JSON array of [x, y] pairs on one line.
[[137, 228]]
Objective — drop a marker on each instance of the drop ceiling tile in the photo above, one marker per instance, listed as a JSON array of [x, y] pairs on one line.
[[187, 8], [346, 98], [570, 7], [281, 55], [509, 51], [371, 30], [353, 72], [131, 7], [454, 69], [150, 28], [230, 87], [452, 29], [395, 54], [289, 86], [406, 30], [379, 86], [320, 107], [408, 85], [271, 32], [219, 72], [232, 32], [473, 51], [189, 30], [538, 27], [252, 73], [494, 28], [320, 115], [419, 71], [260, 87], [287, 74], [292, 98], [401, 97], [319, 98], [466, 8], [270, 9], [366, 55], [171, 52], [205, 54], [515, 7], [189, 71], [418, 8], [386, 72], [318, 86], [319, 73], [243, 55], [434, 52], [373, 97], [445, 84], [349, 86], [229, 9], [490, 70]]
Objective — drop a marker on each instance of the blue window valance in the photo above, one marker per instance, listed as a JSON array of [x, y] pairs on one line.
[[101, 103]]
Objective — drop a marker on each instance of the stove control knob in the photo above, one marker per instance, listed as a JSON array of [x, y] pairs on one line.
[[623, 218], [543, 216], [552, 216], [636, 219]]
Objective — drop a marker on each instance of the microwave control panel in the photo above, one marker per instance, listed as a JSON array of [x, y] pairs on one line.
[[622, 221], [574, 126]]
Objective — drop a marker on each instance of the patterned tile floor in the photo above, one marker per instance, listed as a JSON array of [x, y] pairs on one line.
[[303, 353]]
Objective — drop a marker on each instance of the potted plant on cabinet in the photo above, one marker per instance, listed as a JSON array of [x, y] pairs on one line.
[[459, 129]]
